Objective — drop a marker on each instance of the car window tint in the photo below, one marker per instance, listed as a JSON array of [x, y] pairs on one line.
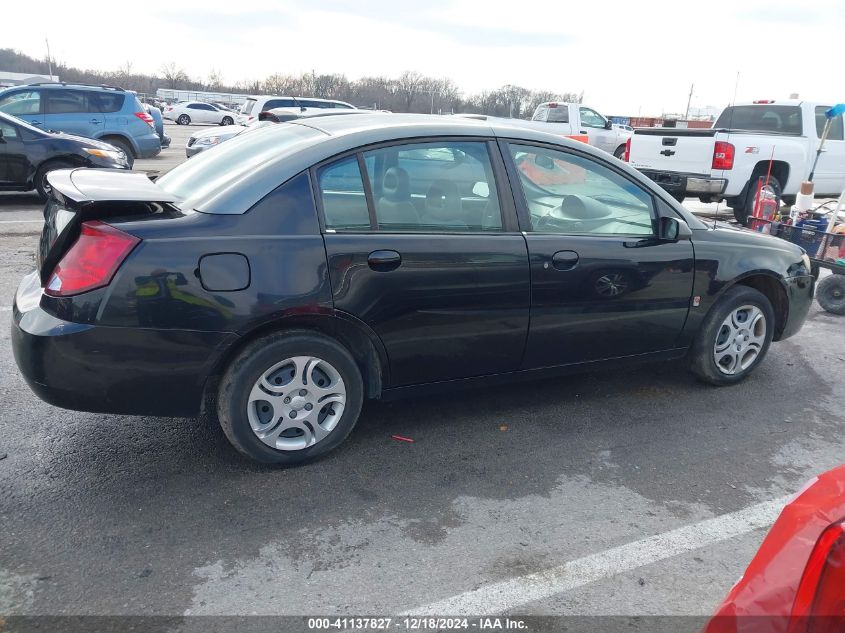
[[441, 186], [10, 132], [574, 195], [105, 101], [66, 101], [558, 114], [279, 103], [836, 131], [22, 102], [343, 196], [761, 118]]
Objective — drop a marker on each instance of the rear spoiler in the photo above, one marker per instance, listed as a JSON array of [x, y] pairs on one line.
[[107, 185]]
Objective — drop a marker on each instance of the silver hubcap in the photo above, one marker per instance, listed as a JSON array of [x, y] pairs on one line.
[[296, 403], [611, 285], [740, 339]]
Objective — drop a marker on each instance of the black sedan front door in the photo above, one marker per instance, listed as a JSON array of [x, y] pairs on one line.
[[423, 249], [602, 284], [14, 163]]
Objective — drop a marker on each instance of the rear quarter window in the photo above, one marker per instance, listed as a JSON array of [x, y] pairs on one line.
[[106, 102]]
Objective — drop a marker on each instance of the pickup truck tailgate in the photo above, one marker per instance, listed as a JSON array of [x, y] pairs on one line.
[[679, 150]]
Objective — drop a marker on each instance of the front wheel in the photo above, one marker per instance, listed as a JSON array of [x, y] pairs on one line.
[[734, 337], [830, 293], [290, 398], [41, 185]]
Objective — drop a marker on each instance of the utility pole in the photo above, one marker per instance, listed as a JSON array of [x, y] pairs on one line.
[[49, 62], [689, 101]]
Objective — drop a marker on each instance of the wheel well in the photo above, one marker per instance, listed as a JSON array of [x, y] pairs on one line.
[[122, 139], [369, 362], [780, 170], [775, 293]]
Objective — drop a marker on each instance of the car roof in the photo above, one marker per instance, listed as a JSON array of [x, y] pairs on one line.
[[335, 135]]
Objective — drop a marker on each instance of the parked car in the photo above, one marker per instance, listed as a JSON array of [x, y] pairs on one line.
[[796, 581], [726, 161], [158, 123], [253, 106], [28, 154], [297, 270], [202, 140], [187, 112], [107, 113]]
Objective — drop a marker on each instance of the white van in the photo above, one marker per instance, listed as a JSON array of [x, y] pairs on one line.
[[253, 106]]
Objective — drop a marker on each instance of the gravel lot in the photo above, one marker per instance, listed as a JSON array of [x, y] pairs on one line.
[[115, 515]]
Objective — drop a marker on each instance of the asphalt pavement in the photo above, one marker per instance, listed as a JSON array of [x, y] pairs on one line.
[[502, 494]]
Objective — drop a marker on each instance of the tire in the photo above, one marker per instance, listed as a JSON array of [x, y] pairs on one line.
[[830, 293], [239, 410], [122, 145], [227, 120], [183, 119], [741, 213], [680, 197], [715, 331], [41, 185], [620, 152]]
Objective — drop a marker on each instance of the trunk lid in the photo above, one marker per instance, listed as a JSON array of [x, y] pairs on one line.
[[91, 194], [679, 150]]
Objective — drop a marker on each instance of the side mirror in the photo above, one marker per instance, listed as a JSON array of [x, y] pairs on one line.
[[2, 140], [673, 230], [608, 125], [543, 161]]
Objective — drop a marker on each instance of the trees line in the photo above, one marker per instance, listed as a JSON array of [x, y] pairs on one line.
[[409, 92]]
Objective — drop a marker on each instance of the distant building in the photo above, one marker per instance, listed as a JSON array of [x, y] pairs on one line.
[[18, 79]]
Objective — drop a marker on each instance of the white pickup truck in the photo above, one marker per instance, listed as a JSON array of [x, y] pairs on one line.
[[726, 161], [574, 120]]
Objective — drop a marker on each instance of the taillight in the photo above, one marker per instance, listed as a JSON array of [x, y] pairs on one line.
[[627, 155], [146, 118], [92, 261], [723, 155], [819, 605]]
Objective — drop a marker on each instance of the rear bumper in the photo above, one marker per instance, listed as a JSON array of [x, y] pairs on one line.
[[692, 184], [799, 293], [148, 145], [132, 371]]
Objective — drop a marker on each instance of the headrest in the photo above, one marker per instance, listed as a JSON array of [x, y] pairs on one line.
[[396, 185], [442, 200]]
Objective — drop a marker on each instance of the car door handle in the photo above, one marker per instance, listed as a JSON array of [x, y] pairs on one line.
[[384, 261], [34, 122], [583, 132], [94, 121], [565, 260]]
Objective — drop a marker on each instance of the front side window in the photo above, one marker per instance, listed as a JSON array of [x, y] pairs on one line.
[[21, 102], [836, 132], [343, 196], [573, 195], [591, 118], [434, 187]]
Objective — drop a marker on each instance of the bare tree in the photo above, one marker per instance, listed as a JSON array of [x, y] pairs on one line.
[[409, 85], [215, 79], [175, 76]]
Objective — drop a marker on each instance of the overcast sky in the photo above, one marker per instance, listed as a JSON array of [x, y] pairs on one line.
[[627, 57]]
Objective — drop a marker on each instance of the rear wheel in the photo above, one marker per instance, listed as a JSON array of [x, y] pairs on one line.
[[41, 185], [227, 120], [830, 293], [620, 152], [734, 337], [183, 119], [290, 398], [122, 145], [746, 209]]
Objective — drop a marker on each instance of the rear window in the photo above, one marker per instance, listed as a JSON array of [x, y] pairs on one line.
[[558, 114], [762, 118], [247, 107], [202, 178]]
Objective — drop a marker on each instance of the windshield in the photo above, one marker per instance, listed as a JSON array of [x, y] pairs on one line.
[[762, 118], [200, 179]]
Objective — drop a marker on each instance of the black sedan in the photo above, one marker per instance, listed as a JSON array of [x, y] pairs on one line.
[[28, 154], [285, 277]]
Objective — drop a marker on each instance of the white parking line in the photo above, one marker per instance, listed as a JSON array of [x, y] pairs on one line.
[[503, 596], [21, 221]]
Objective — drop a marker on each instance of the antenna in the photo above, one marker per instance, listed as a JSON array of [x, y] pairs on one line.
[[689, 101], [49, 61]]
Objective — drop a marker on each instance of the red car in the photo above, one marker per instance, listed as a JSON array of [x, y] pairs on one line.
[[796, 581]]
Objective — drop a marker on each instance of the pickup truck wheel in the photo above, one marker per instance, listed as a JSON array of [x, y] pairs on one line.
[[830, 293], [620, 152], [741, 214], [290, 397], [734, 337]]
